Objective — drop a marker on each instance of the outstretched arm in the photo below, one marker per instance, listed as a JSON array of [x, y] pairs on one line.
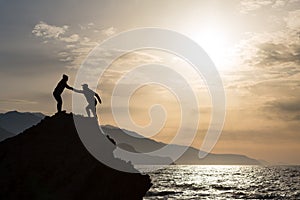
[[69, 87], [97, 96], [78, 91]]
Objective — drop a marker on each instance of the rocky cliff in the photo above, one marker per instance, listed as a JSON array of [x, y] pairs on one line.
[[48, 161]]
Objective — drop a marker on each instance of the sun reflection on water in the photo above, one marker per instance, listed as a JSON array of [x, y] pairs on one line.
[[225, 182]]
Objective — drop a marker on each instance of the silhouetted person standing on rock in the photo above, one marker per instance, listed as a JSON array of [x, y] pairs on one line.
[[90, 97], [59, 89]]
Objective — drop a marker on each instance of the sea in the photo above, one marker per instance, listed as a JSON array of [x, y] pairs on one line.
[[223, 182]]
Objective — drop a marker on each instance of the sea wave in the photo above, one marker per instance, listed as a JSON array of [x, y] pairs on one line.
[[225, 182]]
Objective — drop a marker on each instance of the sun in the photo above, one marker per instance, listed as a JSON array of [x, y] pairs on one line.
[[216, 44]]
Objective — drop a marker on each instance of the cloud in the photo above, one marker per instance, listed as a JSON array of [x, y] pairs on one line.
[[87, 26], [272, 54], [17, 101], [248, 6], [259, 136], [65, 57], [289, 105], [109, 31], [297, 118], [74, 47], [45, 30], [70, 39], [292, 20], [279, 3], [274, 48], [287, 109]]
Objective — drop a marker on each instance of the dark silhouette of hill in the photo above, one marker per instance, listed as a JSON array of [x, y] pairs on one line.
[[49, 161], [127, 147], [147, 159], [135, 142], [138, 143], [190, 157], [265, 163], [16, 122], [5, 134]]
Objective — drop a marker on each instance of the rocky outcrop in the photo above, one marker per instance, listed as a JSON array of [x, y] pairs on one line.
[[48, 161]]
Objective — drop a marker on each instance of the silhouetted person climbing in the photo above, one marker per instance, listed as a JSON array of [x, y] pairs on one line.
[[90, 97], [59, 89]]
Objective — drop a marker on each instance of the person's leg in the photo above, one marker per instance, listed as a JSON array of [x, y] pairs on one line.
[[59, 102], [94, 111], [88, 110]]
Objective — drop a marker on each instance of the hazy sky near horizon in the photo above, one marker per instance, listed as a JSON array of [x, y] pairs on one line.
[[255, 45]]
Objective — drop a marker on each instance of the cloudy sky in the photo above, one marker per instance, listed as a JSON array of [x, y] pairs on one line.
[[255, 45]]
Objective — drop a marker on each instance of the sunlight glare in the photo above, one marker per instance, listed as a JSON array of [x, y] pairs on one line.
[[215, 42]]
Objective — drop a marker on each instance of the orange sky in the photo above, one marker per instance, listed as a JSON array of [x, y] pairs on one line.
[[254, 45]]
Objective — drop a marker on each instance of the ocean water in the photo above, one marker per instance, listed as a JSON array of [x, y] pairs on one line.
[[224, 182]]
